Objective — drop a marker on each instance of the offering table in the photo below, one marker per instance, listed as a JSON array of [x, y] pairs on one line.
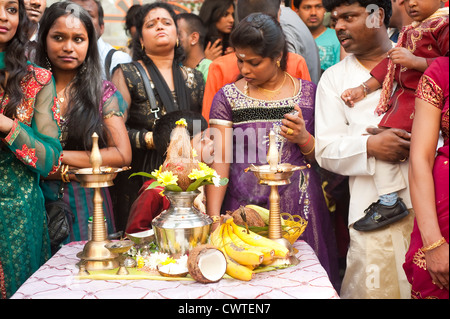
[[57, 279]]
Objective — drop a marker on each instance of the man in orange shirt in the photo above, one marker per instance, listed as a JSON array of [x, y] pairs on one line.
[[224, 70]]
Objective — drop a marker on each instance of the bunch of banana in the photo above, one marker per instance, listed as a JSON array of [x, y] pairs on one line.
[[234, 269], [245, 251]]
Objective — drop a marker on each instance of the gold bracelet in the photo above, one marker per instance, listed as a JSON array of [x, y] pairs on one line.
[[311, 150], [215, 218], [365, 89], [440, 242], [149, 140], [64, 176]]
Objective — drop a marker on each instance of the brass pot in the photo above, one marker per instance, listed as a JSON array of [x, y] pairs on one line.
[[182, 226]]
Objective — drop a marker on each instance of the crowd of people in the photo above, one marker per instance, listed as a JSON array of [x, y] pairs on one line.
[[358, 90]]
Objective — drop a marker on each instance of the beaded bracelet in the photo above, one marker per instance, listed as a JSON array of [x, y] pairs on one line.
[[434, 245]]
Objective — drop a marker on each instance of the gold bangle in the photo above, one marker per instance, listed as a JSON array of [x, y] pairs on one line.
[[434, 245], [149, 140], [312, 149], [215, 218], [64, 176]]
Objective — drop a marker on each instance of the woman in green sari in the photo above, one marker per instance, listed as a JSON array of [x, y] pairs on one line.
[[29, 149]]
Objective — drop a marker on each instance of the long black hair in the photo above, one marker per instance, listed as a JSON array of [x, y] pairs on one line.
[[210, 12], [86, 90], [138, 53], [15, 64], [263, 34]]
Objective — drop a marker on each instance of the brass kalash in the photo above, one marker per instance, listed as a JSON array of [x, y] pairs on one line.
[[95, 256], [274, 175]]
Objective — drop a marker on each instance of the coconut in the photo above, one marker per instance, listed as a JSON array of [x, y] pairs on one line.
[[179, 158], [247, 215], [182, 170], [206, 263]]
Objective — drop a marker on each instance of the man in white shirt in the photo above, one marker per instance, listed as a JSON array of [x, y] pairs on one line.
[[343, 146], [109, 63]]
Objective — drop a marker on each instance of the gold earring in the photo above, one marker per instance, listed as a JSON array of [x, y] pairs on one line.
[[278, 63], [143, 47], [178, 43]]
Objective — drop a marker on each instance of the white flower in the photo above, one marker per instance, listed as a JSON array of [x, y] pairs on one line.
[[216, 179]]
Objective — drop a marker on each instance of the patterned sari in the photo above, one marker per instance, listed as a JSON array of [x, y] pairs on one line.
[[30, 150], [251, 120], [433, 88], [79, 198]]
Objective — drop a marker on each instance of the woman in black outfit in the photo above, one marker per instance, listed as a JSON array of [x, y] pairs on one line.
[[157, 51]]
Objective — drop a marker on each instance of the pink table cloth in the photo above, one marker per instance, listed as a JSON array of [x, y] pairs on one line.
[[57, 279]]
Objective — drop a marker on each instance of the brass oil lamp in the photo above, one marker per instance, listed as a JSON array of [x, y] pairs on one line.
[[95, 256], [275, 174]]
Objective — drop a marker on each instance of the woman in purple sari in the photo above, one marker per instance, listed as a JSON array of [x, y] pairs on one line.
[[243, 114], [426, 264]]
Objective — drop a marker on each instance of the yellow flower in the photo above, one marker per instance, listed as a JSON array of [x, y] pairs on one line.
[[167, 178], [196, 174], [169, 260], [206, 169], [157, 172], [181, 122], [140, 262]]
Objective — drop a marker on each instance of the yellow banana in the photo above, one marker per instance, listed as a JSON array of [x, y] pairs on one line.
[[257, 240], [215, 238], [264, 213], [238, 271], [234, 269], [267, 252], [239, 254]]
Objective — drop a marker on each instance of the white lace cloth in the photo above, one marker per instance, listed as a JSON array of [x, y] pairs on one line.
[[56, 279]]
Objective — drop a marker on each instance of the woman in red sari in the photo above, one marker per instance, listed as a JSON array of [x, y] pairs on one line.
[[427, 261]]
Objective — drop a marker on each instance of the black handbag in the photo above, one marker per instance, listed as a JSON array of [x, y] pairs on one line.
[[59, 219]]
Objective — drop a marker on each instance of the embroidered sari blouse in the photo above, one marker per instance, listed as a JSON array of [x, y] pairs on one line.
[[433, 88], [34, 137]]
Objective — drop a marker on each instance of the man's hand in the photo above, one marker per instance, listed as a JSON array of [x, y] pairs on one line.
[[390, 145]]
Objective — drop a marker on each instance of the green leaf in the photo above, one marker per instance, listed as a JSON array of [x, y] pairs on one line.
[[199, 182], [173, 188], [143, 174], [153, 185], [223, 181]]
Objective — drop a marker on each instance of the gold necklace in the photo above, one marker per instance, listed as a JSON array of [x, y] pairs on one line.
[[276, 91], [61, 96], [293, 83], [273, 93]]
